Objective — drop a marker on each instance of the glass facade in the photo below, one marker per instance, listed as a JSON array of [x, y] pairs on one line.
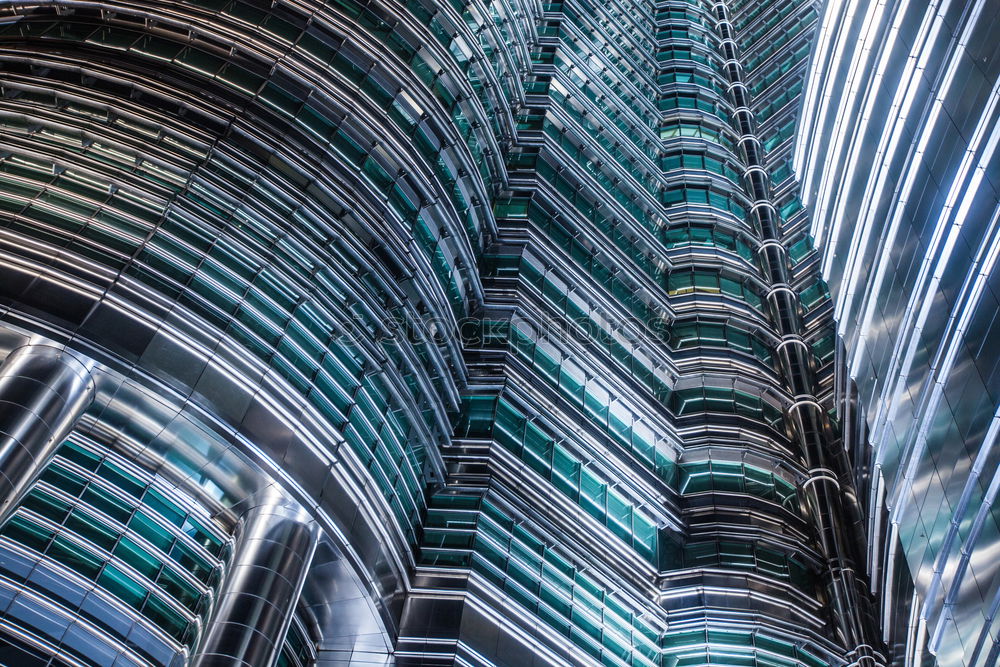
[[645, 453], [425, 332], [901, 176], [92, 519]]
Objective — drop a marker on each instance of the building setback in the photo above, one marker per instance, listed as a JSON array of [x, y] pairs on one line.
[[421, 332]]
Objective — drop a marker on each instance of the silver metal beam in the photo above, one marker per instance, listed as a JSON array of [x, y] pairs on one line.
[[43, 391], [275, 545]]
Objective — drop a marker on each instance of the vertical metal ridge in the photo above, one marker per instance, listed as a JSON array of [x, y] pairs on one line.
[[256, 605], [43, 391]]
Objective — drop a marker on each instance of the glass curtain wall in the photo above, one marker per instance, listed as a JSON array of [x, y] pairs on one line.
[[634, 478]]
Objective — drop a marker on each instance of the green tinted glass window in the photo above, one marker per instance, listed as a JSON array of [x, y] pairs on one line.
[[122, 586]]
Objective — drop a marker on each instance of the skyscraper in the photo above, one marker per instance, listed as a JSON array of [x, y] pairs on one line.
[[422, 332], [647, 483]]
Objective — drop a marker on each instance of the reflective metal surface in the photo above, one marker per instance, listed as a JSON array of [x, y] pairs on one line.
[[898, 152], [830, 478], [515, 297], [43, 392], [275, 543]]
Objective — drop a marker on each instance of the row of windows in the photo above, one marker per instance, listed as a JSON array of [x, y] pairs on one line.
[[603, 407], [779, 102], [615, 187], [687, 334], [584, 155], [116, 533], [668, 14], [584, 255], [534, 575], [757, 558], [371, 82], [691, 159], [685, 31], [773, 46], [737, 647], [261, 314], [780, 134], [776, 70], [751, 36], [814, 295], [424, 69], [674, 74], [574, 479], [128, 161], [613, 51], [628, 118], [700, 400], [628, 142], [560, 594], [297, 650], [701, 281], [627, 428], [735, 477], [120, 583], [704, 195], [673, 129], [695, 236], [709, 103], [594, 324], [682, 335], [677, 52], [120, 529], [330, 373], [629, 19], [585, 70], [582, 200]]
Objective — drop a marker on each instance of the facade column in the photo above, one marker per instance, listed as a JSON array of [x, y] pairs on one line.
[[43, 391], [275, 544]]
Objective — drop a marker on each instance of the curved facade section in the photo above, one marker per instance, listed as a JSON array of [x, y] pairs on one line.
[[897, 153], [123, 541], [273, 214]]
